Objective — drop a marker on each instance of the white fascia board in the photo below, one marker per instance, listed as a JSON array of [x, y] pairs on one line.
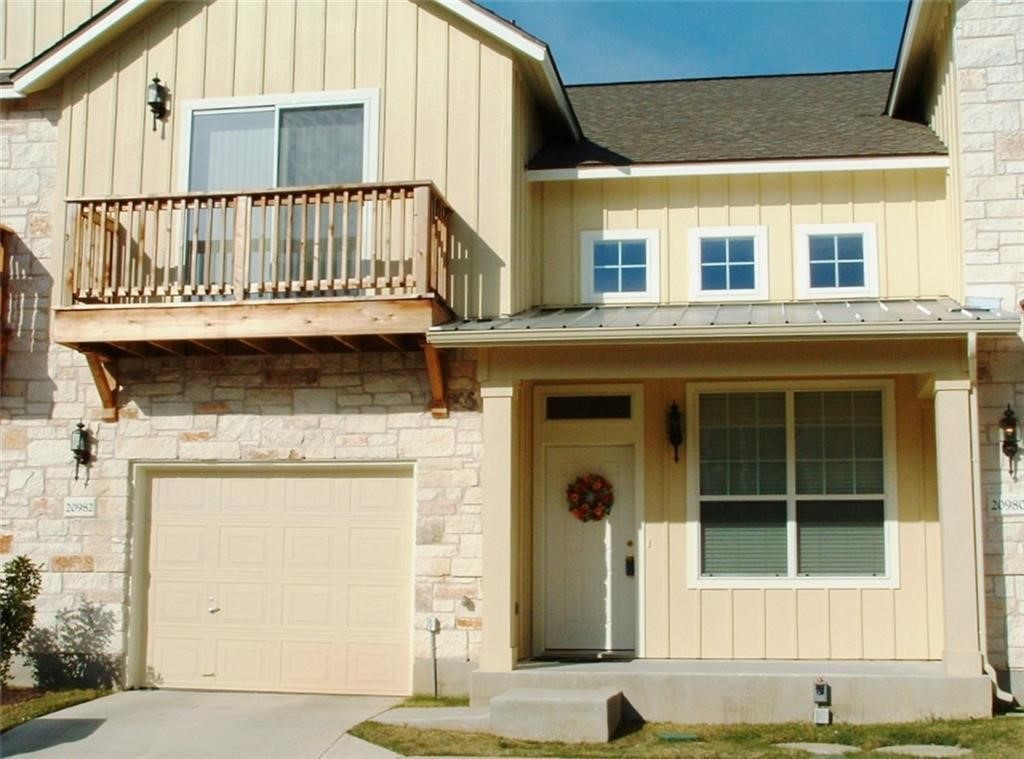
[[9, 93], [913, 21], [605, 335], [521, 43], [38, 75], [720, 168]]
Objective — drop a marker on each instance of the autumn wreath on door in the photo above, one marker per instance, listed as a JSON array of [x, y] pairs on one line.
[[590, 498]]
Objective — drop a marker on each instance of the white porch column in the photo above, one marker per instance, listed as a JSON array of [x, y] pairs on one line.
[[961, 649], [497, 652]]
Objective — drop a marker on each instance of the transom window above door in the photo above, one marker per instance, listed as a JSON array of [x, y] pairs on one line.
[[728, 263], [836, 260], [619, 266], [286, 141]]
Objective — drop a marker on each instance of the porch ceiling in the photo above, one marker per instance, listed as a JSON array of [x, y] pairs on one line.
[[701, 321]]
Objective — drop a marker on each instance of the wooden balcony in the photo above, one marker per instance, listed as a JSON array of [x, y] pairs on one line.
[[311, 269]]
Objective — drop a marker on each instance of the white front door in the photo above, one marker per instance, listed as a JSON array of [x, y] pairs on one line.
[[589, 592]]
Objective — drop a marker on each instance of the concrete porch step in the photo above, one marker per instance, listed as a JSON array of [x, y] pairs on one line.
[[550, 714]]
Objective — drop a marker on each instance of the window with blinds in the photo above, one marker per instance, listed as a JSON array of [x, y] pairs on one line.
[[792, 483]]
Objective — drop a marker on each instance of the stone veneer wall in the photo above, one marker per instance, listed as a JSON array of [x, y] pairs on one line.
[[988, 39], [355, 407]]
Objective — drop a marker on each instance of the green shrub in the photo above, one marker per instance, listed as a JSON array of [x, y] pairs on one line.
[[74, 653], [19, 585]]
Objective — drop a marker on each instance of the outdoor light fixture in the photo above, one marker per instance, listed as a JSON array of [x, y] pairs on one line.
[[1011, 444], [674, 427], [156, 99], [80, 447]]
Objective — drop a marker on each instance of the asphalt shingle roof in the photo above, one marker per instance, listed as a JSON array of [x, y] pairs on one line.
[[738, 119]]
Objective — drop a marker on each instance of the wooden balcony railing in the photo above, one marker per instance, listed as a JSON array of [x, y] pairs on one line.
[[350, 241]]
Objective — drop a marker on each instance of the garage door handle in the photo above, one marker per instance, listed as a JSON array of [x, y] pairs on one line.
[[213, 608]]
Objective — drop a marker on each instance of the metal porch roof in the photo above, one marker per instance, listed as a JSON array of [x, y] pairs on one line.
[[653, 323]]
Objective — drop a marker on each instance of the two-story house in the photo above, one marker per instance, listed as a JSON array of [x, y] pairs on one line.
[[391, 346]]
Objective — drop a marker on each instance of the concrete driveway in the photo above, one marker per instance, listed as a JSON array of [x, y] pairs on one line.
[[201, 725]]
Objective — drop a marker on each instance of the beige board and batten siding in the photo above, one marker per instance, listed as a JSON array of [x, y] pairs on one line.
[[907, 207], [904, 622], [28, 27], [447, 95]]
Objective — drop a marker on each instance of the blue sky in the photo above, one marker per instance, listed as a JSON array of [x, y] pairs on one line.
[[616, 40]]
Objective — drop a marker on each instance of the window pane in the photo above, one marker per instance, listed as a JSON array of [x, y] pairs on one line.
[[841, 537], [851, 275], [838, 442], [743, 538], [712, 250], [850, 247], [741, 249], [822, 247], [606, 254], [839, 477], [810, 477], [634, 253], [606, 280], [231, 150], [746, 430], [713, 278], [823, 275], [741, 277], [634, 279], [869, 477], [321, 145]]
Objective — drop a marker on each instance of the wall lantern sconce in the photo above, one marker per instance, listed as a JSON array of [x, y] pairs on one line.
[[1011, 442], [156, 99], [80, 445], [674, 428]]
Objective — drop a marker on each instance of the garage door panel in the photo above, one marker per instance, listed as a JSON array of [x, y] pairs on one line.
[[309, 606], [183, 546], [373, 667], [310, 664], [378, 549], [309, 579], [178, 603], [245, 604], [242, 661], [379, 496], [310, 548], [316, 495], [371, 607], [177, 659], [256, 496], [244, 547]]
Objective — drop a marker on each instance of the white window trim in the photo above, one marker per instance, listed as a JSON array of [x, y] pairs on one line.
[[891, 578], [802, 262], [368, 98], [587, 240], [760, 289]]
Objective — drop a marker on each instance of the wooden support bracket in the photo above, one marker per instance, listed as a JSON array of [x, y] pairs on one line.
[[106, 385], [435, 373]]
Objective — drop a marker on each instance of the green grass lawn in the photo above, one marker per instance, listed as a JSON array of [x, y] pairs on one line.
[[420, 701], [999, 738], [18, 705]]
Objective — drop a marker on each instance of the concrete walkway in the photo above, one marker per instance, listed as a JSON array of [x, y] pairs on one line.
[[168, 724]]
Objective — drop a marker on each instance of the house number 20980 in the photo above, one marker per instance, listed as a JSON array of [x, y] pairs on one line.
[[1015, 505]]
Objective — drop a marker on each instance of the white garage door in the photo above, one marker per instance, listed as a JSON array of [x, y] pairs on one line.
[[300, 583]]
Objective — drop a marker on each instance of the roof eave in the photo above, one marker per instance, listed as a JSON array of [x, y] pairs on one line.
[[530, 47], [482, 338], [50, 65]]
